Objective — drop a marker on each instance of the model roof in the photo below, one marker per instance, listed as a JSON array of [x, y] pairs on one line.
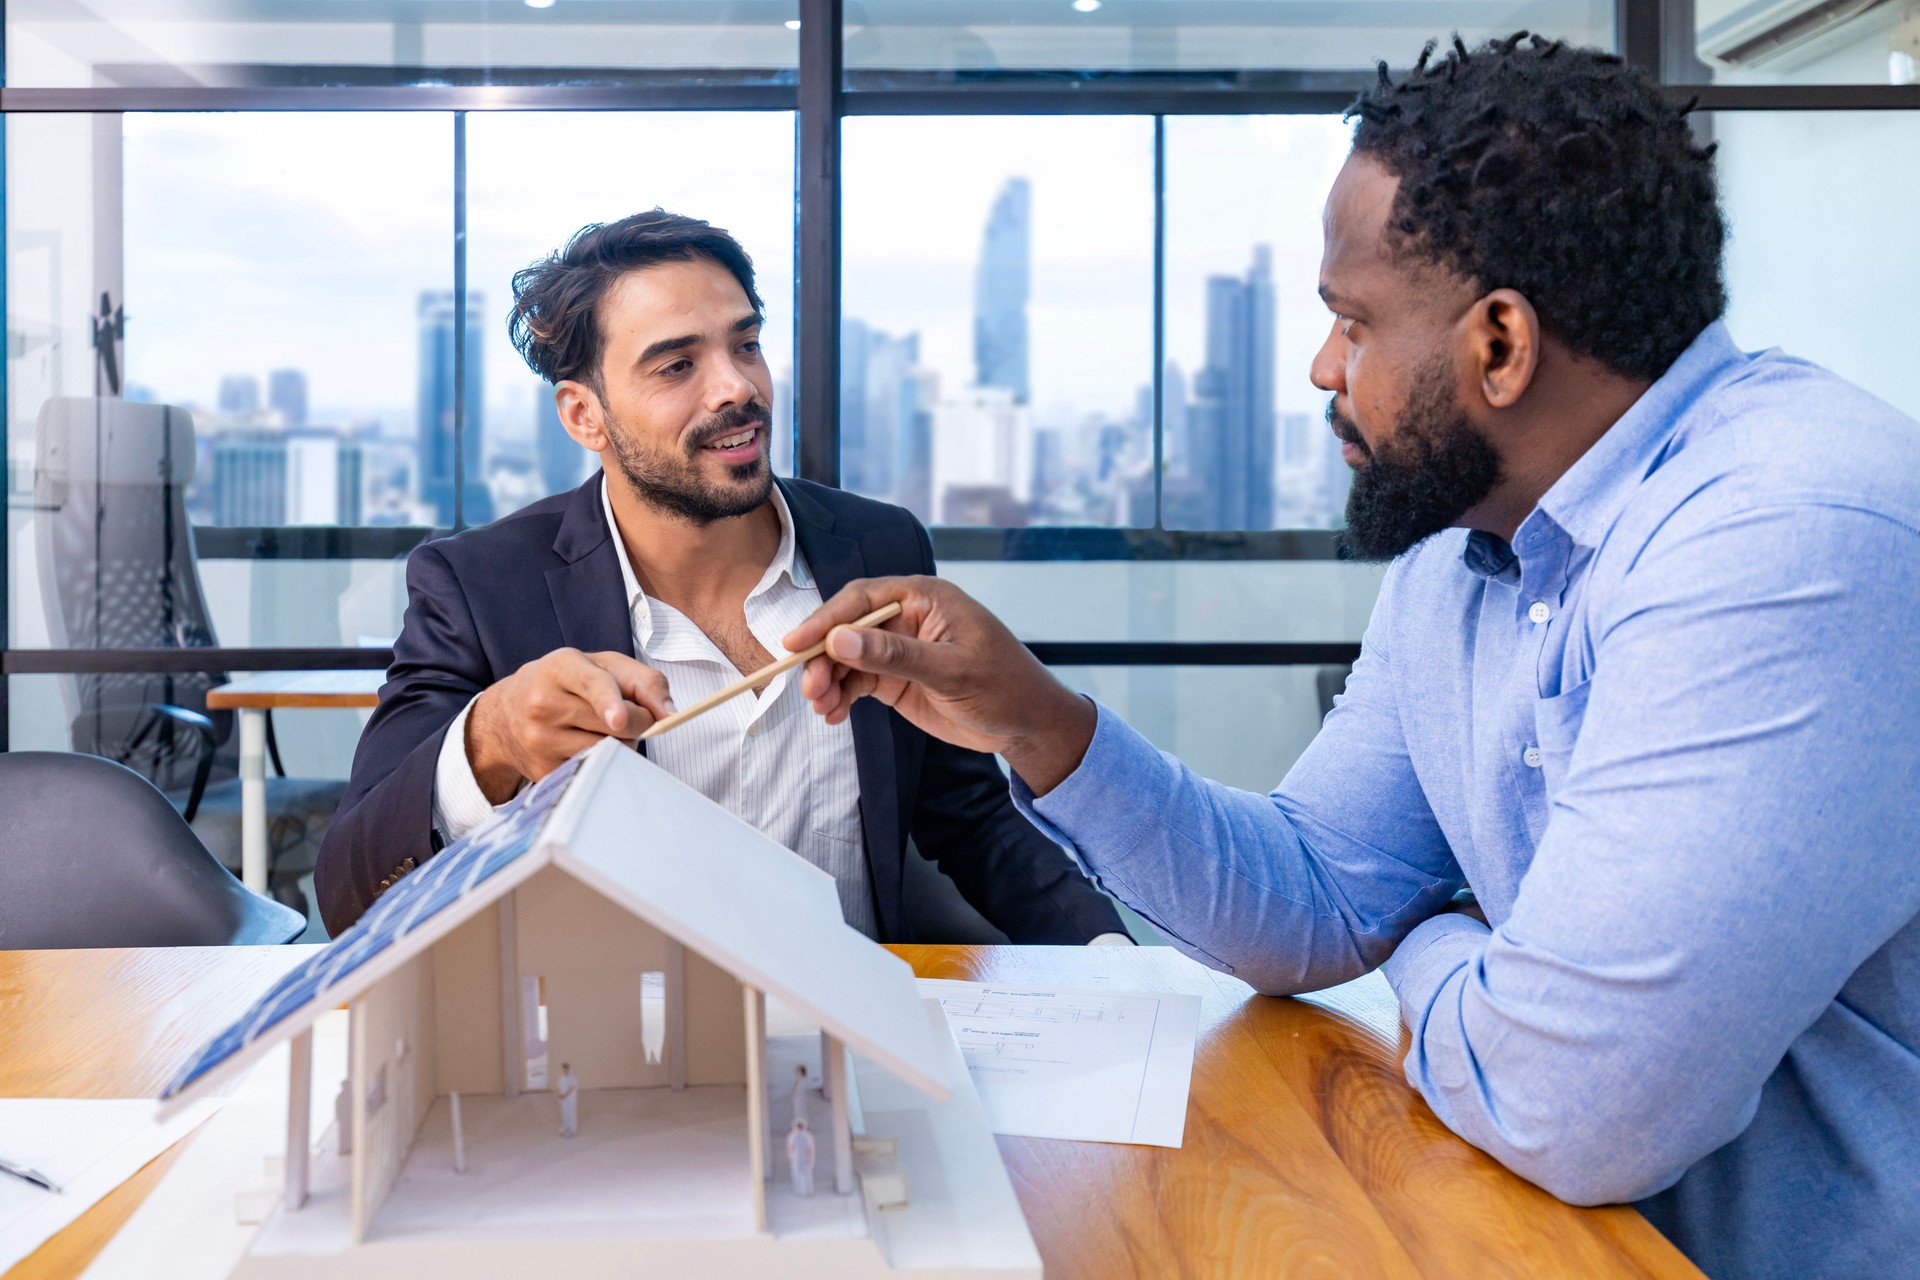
[[667, 854]]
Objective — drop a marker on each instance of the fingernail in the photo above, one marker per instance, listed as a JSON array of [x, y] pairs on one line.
[[668, 704], [613, 719], [846, 644]]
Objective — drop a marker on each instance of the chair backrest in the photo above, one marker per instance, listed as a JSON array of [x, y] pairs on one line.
[[117, 570], [92, 856]]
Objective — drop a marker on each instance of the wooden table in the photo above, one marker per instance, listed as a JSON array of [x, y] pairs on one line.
[[1306, 1153], [253, 696]]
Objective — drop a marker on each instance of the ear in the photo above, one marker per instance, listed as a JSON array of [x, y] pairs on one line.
[[1503, 341], [581, 414]]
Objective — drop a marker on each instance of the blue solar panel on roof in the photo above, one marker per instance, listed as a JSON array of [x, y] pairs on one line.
[[411, 901]]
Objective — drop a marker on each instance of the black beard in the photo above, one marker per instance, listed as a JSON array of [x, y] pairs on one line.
[[1430, 472], [676, 486]]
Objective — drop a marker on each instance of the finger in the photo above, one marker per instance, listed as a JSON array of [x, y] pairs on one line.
[[557, 747], [882, 652], [855, 600], [596, 687], [642, 685]]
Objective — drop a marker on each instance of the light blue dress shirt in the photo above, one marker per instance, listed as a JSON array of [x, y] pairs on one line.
[[1671, 737]]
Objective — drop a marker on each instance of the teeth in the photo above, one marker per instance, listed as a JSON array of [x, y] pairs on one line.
[[732, 442]]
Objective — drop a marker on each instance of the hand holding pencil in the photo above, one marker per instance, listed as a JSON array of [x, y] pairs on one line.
[[951, 668]]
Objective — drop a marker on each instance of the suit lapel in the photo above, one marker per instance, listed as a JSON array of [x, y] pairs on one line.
[[589, 595], [836, 560]]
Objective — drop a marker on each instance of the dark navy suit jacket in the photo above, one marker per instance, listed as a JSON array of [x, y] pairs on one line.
[[485, 602]]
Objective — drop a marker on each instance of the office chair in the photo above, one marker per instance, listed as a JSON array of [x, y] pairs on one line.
[[118, 571], [91, 855]]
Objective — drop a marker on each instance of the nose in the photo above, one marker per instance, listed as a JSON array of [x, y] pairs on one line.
[[1329, 369], [727, 385]]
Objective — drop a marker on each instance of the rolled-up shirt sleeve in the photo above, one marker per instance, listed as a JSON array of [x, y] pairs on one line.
[[1717, 862], [1308, 886]]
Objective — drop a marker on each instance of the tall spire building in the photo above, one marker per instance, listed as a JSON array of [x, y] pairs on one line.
[[1001, 285], [1230, 423]]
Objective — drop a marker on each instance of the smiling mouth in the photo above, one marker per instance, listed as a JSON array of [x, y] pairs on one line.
[[738, 439]]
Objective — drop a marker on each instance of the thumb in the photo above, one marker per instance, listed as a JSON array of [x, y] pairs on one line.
[[886, 653]]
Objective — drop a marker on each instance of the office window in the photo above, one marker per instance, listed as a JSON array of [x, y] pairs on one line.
[[1128, 35], [1821, 260], [289, 281], [1798, 42], [997, 318], [732, 169], [1246, 444], [381, 42]]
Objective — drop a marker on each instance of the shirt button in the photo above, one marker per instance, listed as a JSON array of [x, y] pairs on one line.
[[1540, 611], [753, 730], [1532, 756]]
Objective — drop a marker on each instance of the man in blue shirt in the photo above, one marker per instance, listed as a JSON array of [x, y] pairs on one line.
[[1642, 673]]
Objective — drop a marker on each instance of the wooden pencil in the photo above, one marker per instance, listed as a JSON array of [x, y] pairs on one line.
[[747, 682]]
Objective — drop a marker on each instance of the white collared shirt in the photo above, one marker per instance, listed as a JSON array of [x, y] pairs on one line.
[[767, 759]]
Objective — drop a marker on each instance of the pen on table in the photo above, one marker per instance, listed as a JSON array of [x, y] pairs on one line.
[[25, 1174]]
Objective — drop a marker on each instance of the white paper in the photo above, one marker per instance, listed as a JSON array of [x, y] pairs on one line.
[[87, 1147], [1093, 1066], [189, 1218]]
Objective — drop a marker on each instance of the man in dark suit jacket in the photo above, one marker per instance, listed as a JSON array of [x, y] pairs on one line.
[[523, 633]]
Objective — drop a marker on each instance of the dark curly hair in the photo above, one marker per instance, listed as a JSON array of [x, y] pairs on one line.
[[555, 320], [1562, 173]]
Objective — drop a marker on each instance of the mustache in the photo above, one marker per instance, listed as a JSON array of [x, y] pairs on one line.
[[728, 421], [1344, 427]]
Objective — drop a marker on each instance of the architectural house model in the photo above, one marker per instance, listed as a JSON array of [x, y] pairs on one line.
[[616, 920]]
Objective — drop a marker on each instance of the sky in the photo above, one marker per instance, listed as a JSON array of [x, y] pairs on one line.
[[256, 242]]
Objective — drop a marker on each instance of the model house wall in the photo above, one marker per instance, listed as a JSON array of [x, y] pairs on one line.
[[589, 953], [466, 1007], [391, 1047]]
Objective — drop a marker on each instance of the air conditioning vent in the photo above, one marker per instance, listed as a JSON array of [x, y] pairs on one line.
[[1756, 34]]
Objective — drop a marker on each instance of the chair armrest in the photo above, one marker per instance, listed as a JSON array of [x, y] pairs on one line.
[[202, 727]]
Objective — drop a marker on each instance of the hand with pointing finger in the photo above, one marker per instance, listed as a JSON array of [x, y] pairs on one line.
[[532, 722], [952, 669]]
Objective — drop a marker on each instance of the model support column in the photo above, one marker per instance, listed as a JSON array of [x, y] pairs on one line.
[[359, 1064], [834, 1065], [676, 994], [299, 1119], [757, 1118], [513, 1052], [253, 798]]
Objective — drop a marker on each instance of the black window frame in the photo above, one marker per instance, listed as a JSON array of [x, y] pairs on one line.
[[1655, 35]]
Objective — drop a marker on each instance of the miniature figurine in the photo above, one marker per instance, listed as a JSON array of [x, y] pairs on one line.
[[800, 1158], [343, 1118], [569, 1091], [800, 1091]]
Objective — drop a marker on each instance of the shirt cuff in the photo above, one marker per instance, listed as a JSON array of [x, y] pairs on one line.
[[458, 803], [1436, 949], [1110, 940]]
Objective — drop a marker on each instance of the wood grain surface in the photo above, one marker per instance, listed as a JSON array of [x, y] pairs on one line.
[[271, 689], [1306, 1153]]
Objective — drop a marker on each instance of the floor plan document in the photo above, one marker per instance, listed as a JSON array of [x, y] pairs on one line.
[[1095, 1066]]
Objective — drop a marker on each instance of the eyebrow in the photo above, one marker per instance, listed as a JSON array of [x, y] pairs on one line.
[[1334, 298], [749, 321]]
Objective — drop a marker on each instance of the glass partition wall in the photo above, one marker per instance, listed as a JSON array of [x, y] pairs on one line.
[[1042, 272]]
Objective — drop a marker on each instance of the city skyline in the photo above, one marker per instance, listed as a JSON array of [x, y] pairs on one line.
[[1046, 297]]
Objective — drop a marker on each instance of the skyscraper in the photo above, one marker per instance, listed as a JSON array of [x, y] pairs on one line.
[[1000, 289], [1230, 422], [882, 416], [437, 413], [287, 396], [250, 479], [239, 394]]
